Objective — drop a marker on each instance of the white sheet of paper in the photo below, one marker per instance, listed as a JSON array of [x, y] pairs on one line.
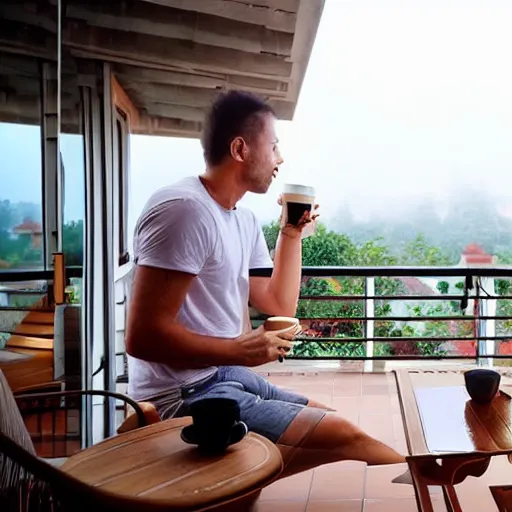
[[442, 415]]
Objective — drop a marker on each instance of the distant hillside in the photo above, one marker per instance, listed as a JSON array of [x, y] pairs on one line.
[[470, 217]]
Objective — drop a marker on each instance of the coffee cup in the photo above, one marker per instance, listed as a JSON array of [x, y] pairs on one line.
[[282, 325], [216, 425], [482, 384], [297, 199]]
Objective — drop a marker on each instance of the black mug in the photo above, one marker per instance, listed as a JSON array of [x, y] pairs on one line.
[[482, 385], [216, 425]]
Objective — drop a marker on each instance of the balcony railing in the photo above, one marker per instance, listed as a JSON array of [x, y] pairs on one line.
[[375, 313]]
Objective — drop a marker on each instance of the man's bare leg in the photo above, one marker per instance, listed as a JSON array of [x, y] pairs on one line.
[[330, 438]]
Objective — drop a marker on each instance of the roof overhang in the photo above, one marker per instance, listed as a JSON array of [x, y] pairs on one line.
[[171, 57]]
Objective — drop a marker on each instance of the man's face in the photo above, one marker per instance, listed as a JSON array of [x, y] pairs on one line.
[[264, 159]]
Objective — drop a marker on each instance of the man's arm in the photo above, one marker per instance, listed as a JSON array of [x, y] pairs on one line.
[[279, 294], [154, 334]]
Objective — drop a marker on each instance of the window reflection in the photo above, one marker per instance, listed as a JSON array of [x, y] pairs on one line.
[[21, 244], [72, 157]]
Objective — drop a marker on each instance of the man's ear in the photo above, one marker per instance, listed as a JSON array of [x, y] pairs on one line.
[[238, 149]]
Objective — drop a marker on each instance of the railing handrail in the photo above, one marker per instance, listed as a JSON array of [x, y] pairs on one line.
[[380, 271], [481, 323], [397, 271], [22, 275]]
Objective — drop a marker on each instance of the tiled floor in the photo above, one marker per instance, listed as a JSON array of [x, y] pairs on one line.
[[369, 400]]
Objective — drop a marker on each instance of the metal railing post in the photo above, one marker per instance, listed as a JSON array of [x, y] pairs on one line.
[[480, 328], [369, 325], [490, 323]]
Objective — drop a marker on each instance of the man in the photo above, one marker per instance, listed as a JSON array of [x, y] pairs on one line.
[[194, 248]]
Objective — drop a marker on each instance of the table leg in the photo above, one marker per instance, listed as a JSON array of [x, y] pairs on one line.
[[421, 491], [452, 498]]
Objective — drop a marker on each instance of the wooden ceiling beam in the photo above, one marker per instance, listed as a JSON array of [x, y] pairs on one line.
[[145, 51], [20, 85], [152, 125], [175, 112], [13, 65], [132, 74], [155, 20], [20, 39], [26, 102], [270, 14], [172, 94], [35, 14]]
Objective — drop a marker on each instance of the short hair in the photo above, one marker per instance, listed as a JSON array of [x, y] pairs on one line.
[[233, 114]]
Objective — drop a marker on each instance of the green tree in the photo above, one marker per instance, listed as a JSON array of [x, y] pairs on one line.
[[504, 306], [335, 318], [19, 251], [73, 242], [420, 252]]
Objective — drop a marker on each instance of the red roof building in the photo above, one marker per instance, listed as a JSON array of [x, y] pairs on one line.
[[33, 229]]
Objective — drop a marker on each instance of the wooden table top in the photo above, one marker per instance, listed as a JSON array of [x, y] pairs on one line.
[[440, 416], [451, 438], [154, 466]]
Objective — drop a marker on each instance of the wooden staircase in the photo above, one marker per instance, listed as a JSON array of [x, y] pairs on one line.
[[35, 331], [33, 356], [32, 338]]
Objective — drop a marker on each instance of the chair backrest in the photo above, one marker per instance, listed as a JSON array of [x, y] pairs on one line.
[[45, 488], [28, 483], [41, 487], [13, 427]]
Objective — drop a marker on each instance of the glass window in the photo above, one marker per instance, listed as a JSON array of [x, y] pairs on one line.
[[21, 240]]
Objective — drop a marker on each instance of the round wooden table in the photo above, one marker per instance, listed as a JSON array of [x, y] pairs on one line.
[[153, 467]]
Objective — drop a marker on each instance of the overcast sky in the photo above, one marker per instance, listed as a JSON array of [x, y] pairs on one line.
[[401, 100]]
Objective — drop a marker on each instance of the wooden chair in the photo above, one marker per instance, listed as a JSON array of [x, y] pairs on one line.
[[53, 417], [29, 483]]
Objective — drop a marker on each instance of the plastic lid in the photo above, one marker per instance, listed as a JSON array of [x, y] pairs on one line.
[[298, 189]]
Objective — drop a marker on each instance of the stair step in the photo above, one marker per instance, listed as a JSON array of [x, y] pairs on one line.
[[20, 341], [28, 309], [36, 330], [40, 317]]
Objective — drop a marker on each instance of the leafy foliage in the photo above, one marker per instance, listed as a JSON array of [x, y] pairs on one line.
[[19, 251], [342, 319]]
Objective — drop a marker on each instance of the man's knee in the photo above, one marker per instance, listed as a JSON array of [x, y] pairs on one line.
[[302, 427], [333, 431]]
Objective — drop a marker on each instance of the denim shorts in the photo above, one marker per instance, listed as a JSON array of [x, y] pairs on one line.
[[264, 408]]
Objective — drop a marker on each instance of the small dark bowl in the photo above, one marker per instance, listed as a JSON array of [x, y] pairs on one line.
[[482, 385]]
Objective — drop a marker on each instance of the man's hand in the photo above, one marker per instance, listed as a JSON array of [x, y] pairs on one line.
[[259, 346]]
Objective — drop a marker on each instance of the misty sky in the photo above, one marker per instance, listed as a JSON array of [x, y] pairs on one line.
[[402, 100]]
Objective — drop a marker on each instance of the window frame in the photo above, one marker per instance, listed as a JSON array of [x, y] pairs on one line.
[[124, 117]]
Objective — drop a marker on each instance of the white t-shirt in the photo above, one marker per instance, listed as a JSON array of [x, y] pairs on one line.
[[183, 228]]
